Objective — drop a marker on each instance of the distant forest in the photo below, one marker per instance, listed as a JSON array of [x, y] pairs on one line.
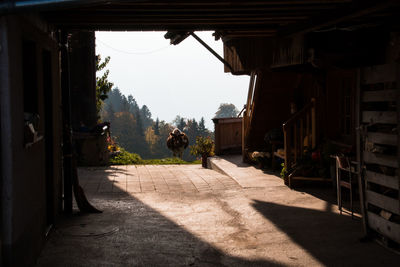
[[133, 128]]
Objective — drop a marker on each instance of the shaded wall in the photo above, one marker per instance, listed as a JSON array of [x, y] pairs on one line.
[[25, 204], [274, 93], [83, 78]]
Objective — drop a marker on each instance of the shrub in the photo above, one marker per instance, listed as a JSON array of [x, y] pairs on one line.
[[283, 171], [204, 146], [125, 158]]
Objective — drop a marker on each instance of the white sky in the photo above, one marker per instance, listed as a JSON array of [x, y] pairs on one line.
[[185, 79]]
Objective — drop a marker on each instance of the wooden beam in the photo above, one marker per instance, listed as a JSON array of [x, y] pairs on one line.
[[67, 129], [83, 20], [360, 181], [239, 3], [339, 16], [211, 50], [397, 74], [298, 9]]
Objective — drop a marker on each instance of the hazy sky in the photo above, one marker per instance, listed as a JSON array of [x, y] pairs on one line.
[[185, 79]]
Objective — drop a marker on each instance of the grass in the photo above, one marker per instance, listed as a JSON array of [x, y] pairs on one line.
[[127, 158]]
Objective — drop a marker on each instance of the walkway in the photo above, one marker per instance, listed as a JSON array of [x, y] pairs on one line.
[[154, 178], [188, 216]]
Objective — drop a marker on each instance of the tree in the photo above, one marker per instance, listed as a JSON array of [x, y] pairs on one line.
[[202, 128], [125, 107], [146, 116], [133, 106], [161, 149], [139, 124], [226, 110], [151, 139], [103, 86], [115, 99], [179, 122], [156, 127]]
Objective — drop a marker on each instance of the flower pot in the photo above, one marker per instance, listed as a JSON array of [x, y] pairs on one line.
[[204, 161]]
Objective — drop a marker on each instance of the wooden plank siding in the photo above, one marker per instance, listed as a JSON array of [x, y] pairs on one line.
[[381, 159], [228, 135], [382, 201], [372, 117], [379, 96], [384, 226], [376, 120], [247, 54], [381, 179], [382, 138], [379, 74]]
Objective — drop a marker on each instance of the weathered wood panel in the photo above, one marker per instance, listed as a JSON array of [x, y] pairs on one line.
[[231, 56], [379, 96], [247, 54], [381, 179], [389, 117], [379, 74], [382, 80], [384, 227], [289, 52], [385, 160], [382, 138], [384, 202], [228, 134]]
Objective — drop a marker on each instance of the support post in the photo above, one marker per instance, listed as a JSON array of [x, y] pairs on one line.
[[313, 124], [212, 51], [361, 188], [66, 113]]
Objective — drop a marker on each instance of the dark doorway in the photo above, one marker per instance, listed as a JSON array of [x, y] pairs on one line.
[[48, 133]]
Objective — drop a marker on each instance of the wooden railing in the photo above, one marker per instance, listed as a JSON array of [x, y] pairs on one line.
[[300, 133], [248, 114]]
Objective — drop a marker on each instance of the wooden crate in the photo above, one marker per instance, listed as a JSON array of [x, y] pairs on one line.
[[379, 110]]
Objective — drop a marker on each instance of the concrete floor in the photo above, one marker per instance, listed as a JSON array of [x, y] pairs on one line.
[[189, 216]]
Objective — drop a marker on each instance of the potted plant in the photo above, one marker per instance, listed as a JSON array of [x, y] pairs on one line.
[[203, 147]]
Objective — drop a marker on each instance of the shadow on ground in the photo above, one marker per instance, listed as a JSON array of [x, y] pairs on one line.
[[129, 233], [320, 233]]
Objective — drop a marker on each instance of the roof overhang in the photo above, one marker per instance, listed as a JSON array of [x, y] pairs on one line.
[[230, 19]]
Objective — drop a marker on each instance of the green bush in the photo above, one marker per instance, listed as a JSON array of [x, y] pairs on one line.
[[126, 158], [283, 171], [203, 146]]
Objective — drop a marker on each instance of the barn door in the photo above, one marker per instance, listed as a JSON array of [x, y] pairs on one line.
[[379, 132]]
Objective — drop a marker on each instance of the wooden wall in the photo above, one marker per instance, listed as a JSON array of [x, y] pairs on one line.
[[228, 135], [30, 175], [340, 83], [274, 92], [247, 54]]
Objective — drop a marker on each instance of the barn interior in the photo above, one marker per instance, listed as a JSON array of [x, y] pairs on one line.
[[321, 71]]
